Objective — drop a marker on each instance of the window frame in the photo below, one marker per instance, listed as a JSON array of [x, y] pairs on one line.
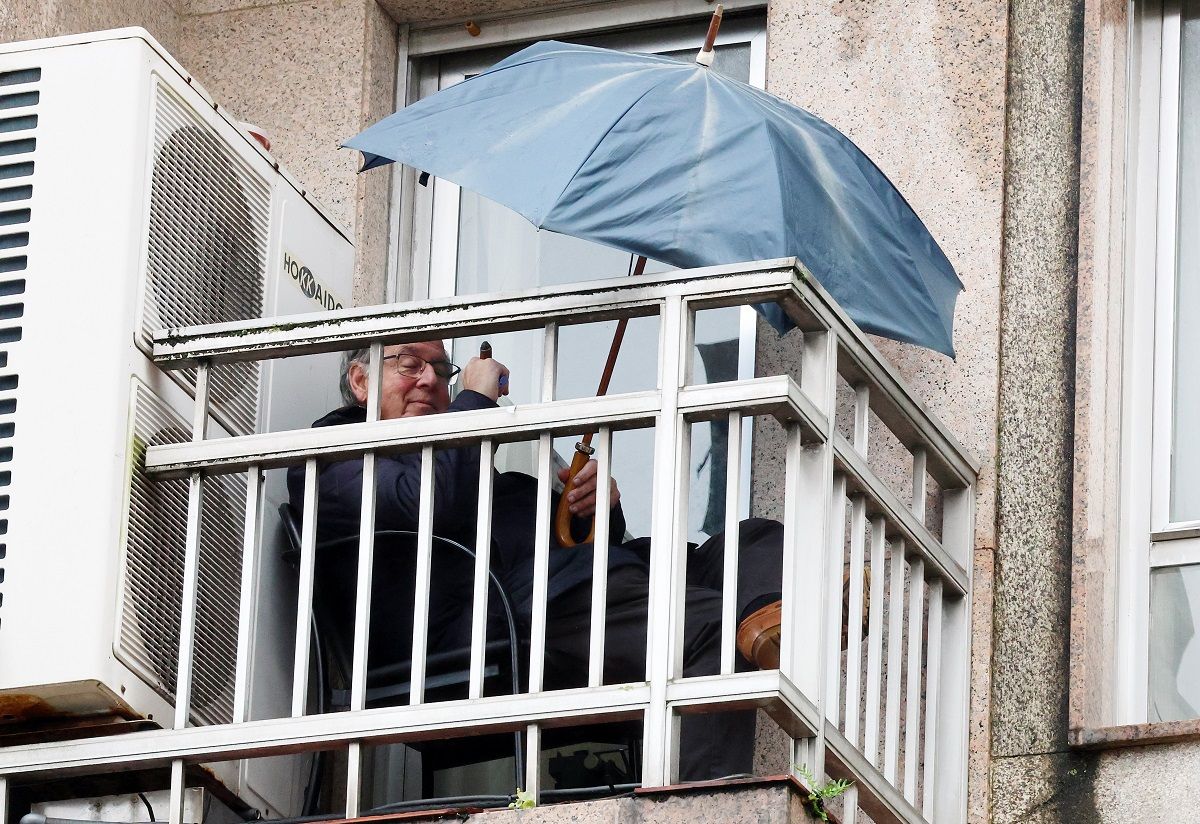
[[1148, 539], [410, 212]]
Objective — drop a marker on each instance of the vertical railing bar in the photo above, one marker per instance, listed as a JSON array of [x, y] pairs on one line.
[[875, 642], [919, 483], [862, 406], [949, 783], [858, 539], [200, 408], [416, 692], [177, 793], [895, 646], [729, 579], [374, 381], [816, 487], [832, 597], [797, 608], [366, 557], [678, 585], [658, 763], [249, 585], [603, 446], [191, 561], [483, 555], [850, 805], [188, 599], [362, 592], [304, 597], [354, 764], [933, 677], [912, 719], [549, 361], [3, 799], [533, 767], [541, 567]]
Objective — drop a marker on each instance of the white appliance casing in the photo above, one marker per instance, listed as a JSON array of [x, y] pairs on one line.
[[77, 290]]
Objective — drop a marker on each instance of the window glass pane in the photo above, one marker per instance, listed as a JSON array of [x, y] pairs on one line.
[[1185, 429], [500, 251], [1174, 648]]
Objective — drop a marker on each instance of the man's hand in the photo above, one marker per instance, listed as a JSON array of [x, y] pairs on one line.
[[483, 376], [582, 500]]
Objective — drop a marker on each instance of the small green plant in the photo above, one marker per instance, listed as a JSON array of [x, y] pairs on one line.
[[523, 801], [819, 793]]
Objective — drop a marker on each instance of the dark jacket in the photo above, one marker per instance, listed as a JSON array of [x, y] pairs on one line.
[[456, 481]]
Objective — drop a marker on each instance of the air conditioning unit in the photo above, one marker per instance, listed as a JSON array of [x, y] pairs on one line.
[[129, 202]]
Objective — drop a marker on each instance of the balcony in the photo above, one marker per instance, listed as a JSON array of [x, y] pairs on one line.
[[875, 491]]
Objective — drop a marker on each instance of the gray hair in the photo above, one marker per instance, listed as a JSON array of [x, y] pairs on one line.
[[362, 356]]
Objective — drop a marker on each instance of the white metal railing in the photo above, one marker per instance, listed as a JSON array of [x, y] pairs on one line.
[[891, 716]]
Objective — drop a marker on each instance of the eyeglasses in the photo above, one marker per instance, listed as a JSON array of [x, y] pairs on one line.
[[411, 366]]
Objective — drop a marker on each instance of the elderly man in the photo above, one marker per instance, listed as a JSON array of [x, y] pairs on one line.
[[416, 381]]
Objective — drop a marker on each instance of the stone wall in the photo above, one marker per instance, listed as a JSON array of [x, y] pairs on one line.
[[920, 87], [31, 19]]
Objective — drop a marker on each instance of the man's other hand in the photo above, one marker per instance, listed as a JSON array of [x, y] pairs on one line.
[[582, 500], [484, 376]]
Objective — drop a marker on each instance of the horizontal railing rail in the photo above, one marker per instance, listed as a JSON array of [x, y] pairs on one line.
[[886, 709]]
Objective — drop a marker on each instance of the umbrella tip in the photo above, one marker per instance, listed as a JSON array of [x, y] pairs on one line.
[[705, 56]]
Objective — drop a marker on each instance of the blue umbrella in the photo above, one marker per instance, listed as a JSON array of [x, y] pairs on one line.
[[683, 165]]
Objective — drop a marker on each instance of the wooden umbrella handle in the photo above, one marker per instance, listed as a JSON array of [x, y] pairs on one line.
[[583, 449], [562, 516]]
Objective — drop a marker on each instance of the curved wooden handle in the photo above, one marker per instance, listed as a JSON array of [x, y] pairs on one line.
[[562, 517]]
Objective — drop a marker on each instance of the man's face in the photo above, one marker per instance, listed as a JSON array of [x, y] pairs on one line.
[[403, 396]]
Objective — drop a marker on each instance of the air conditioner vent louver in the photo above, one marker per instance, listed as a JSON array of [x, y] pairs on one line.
[[206, 246], [16, 161], [152, 576]]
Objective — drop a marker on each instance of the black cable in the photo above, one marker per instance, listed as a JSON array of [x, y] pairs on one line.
[[146, 801], [289, 518], [449, 801]]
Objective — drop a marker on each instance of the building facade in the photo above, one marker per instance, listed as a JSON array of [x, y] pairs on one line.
[[1027, 136]]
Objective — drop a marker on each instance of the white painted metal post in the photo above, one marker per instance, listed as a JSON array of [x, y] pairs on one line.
[[949, 779], [858, 539], [808, 503], [603, 446], [191, 562], [912, 719], [729, 580], [483, 555], [362, 592], [533, 771], [177, 793], [659, 756], [246, 605], [919, 483], [541, 567], [933, 677], [420, 640], [895, 646], [304, 597], [3, 799], [875, 642]]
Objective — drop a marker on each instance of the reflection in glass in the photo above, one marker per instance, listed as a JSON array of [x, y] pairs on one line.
[[500, 251], [1174, 688], [1185, 446]]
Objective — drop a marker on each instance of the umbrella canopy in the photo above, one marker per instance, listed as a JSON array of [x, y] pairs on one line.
[[683, 165]]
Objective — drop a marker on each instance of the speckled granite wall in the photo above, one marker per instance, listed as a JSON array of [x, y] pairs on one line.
[[311, 74], [776, 802], [920, 87], [30, 19], [1032, 586]]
